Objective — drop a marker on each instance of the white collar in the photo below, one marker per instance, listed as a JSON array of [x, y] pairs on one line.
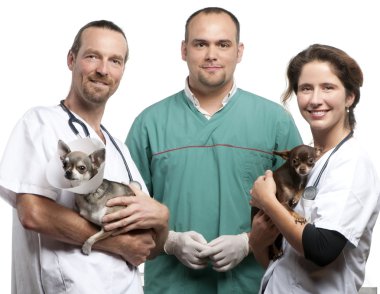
[[195, 101]]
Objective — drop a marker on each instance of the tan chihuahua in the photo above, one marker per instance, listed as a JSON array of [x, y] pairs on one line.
[[80, 167]]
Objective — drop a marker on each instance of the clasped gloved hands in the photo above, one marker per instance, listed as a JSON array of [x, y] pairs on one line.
[[191, 248], [186, 247], [227, 251]]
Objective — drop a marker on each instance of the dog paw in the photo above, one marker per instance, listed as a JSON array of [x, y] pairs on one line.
[[278, 255], [86, 248], [300, 220]]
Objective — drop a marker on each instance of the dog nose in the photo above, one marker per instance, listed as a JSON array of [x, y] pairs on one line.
[[68, 174], [303, 170]]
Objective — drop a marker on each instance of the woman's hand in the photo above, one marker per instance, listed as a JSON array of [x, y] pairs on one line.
[[263, 190], [263, 234]]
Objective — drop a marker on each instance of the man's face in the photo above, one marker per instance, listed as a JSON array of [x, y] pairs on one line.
[[99, 65], [211, 51]]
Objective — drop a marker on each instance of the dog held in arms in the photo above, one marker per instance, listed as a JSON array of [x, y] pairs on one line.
[[80, 167], [291, 179]]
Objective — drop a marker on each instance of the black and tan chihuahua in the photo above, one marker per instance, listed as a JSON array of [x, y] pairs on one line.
[[291, 179]]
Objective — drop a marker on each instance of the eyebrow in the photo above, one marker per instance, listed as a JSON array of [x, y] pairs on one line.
[[207, 41], [303, 85], [97, 52]]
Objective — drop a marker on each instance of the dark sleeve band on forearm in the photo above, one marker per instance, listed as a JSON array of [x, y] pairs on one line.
[[322, 246]]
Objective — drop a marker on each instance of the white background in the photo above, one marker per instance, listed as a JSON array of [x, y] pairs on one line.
[[36, 35]]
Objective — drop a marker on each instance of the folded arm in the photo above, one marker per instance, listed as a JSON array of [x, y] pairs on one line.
[[45, 216], [264, 197]]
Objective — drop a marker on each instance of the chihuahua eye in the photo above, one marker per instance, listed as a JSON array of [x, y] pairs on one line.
[[82, 168], [296, 161], [310, 161]]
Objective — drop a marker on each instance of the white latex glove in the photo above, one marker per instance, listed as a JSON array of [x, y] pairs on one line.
[[226, 251], [186, 247]]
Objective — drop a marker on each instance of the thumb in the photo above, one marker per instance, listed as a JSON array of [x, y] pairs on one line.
[[268, 173], [136, 190]]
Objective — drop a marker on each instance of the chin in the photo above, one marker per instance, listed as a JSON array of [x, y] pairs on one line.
[[318, 127]]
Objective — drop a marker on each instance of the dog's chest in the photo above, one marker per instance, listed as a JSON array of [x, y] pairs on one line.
[[91, 208]]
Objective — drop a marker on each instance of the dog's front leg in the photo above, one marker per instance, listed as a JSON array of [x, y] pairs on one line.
[[298, 218], [86, 248]]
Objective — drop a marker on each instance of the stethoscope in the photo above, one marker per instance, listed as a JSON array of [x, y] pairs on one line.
[[311, 192], [73, 119]]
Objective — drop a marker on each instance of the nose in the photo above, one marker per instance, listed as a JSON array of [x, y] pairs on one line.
[[102, 68], [68, 174], [211, 53], [302, 170], [316, 97]]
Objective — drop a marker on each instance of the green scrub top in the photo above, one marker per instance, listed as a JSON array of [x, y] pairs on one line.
[[203, 171]]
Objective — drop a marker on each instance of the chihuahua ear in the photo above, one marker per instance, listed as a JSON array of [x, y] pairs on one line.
[[284, 154], [97, 157], [63, 149]]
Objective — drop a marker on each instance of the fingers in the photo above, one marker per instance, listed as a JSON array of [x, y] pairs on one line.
[[126, 200], [116, 215], [212, 249], [197, 263], [121, 200], [208, 252], [118, 232], [198, 237], [123, 224]]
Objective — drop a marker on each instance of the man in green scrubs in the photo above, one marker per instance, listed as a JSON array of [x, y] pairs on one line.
[[199, 152]]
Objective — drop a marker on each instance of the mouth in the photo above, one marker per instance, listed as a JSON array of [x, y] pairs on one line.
[[210, 67], [99, 83], [317, 113]]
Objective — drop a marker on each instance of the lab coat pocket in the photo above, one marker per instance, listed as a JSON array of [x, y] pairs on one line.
[[52, 275]]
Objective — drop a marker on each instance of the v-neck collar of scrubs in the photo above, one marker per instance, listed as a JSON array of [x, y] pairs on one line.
[[197, 105]]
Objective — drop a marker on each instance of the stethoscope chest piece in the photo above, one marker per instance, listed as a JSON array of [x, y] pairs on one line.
[[310, 193]]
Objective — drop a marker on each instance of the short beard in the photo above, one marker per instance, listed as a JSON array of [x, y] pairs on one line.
[[95, 98]]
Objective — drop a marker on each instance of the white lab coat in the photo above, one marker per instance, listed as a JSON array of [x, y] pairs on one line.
[[348, 202], [41, 264]]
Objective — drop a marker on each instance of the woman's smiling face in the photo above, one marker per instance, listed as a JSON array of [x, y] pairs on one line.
[[322, 98]]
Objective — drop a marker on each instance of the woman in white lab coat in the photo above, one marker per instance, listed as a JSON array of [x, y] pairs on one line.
[[328, 254]]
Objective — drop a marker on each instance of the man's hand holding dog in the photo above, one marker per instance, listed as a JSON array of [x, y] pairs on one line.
[[140, 213], [135, 247]]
